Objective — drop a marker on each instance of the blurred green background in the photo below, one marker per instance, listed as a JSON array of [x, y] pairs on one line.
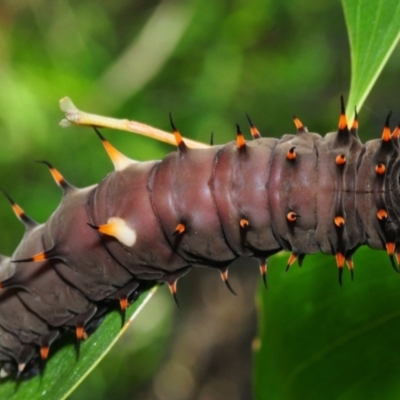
[[207, 62]]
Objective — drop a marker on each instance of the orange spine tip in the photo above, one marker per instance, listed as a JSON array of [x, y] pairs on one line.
[[298, 124], [107, 229], [39, 257], [224, 275], [342, 122], [180, 228], [291, 216], [173, 288], [115, 156], [263, 271], [45, 255], [350, 264], [291, 260], [291, 154], [380, 169], [253, 130], [123, 303], [263, 268], [79, 332], [386, 136], [19, 212], [354, 125], [390, 247], [240, 142], [339, 221], [382, 214], [178, 138], [255, 133], [44, 352], [119, 160], [339, 260], [244, 223], [59, 179], [340, 159]]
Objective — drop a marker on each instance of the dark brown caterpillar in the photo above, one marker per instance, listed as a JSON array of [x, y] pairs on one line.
[[151, 222]]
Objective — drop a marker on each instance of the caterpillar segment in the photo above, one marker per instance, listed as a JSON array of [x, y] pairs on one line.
[[151, 222]]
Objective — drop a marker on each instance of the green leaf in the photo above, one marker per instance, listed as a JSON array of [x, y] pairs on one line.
[[63, 371], [319, 340], [374, 31]]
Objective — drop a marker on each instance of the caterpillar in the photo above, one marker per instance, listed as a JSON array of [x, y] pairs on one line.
[[150, 222]]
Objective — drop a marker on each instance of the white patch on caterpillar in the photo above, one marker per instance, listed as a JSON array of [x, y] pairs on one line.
[[121, 231]]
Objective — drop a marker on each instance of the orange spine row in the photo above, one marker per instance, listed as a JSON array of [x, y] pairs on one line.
[[149, 223]]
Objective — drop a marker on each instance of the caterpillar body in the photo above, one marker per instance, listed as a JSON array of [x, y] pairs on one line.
[[151, 222]]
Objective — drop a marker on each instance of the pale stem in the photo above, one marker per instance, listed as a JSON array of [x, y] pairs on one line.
[[73, 116]]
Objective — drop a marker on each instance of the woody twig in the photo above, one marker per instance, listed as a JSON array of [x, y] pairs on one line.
[[74, 116]]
